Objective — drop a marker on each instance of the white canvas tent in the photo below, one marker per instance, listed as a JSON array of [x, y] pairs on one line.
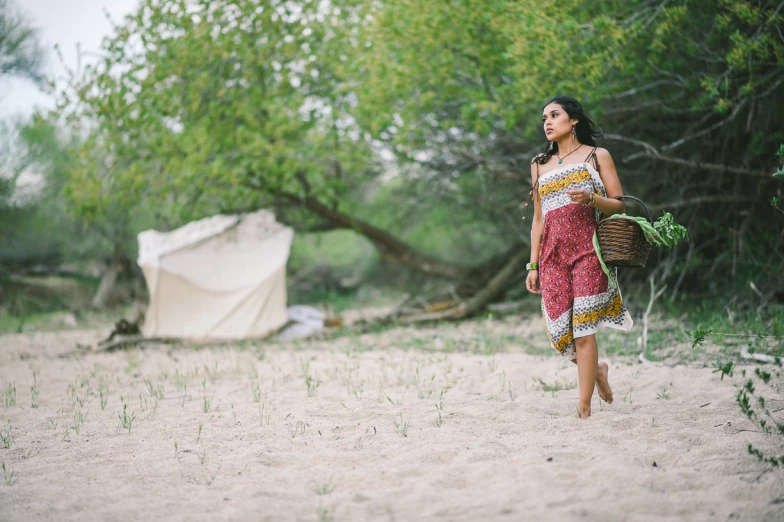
[[221, 277]]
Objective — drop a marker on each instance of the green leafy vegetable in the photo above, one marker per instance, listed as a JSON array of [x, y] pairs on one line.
[[663, 232], [668, 231]]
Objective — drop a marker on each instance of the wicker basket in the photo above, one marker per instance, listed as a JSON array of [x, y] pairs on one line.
[[622, 241]]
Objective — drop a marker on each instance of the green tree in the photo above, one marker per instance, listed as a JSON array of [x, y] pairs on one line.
[[20, 52], [229, 105], [110, 241], [20, 56], [234, 105], [688, 95]]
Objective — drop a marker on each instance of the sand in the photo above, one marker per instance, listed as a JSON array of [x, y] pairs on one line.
[[468, 422]]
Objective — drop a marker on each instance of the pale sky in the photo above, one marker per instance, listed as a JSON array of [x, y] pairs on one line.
[[67, 23]]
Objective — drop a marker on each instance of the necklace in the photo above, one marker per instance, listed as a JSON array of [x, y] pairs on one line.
[[560, 159]]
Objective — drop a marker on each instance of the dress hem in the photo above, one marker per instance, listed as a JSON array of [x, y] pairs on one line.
[[627, 326]]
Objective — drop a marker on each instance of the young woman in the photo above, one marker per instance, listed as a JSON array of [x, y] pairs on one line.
[[575, 184]]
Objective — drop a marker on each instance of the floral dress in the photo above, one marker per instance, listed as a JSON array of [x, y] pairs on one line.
[[576, 297]]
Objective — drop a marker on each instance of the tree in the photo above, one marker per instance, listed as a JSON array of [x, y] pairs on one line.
[[20, 56], [218, 106], [687, 94], [226, 105], [52, 152], [20, 52]]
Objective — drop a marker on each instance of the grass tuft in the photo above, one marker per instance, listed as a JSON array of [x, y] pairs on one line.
[[9, 395], [401, 426], [8, 475], [6, 438]]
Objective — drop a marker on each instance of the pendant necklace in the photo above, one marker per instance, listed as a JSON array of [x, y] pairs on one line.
[[560, 159]]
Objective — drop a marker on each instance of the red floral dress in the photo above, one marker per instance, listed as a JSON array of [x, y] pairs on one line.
[[576, 297]]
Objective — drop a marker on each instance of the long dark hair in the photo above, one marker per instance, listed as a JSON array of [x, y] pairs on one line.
[[587, 131]]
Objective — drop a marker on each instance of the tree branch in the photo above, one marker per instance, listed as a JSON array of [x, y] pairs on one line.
[[652, 152], [678, 143], [730, 198], [496, 287], [391, 248]]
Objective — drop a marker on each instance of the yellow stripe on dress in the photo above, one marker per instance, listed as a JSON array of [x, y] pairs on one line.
[[560, 184], [614, 309], [563, 341]]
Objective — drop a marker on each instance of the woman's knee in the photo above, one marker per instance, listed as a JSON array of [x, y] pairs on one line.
[[584, 342]]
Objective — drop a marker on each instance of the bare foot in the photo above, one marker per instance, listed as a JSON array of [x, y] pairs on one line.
[[583, 413], [603, 384]]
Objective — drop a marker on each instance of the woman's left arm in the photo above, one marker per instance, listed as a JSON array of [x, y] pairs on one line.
[[606, 205]]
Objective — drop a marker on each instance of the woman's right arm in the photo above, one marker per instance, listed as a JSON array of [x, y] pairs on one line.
[[537, 228]]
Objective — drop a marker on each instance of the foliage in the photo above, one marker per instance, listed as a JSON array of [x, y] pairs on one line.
[[724, 368], [757, 408], [46, 230], [20, 52], [698, 336], [210, 106], [13, 162], [668, 233], [207, 106], [459, 87], [780, 171]]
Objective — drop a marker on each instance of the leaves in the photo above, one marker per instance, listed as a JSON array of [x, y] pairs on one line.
[[780, 172], [759, 411], [668, 233], [20, 51], [699, 336], [742, 398], [226, 104], [205, 106], [726, 368]]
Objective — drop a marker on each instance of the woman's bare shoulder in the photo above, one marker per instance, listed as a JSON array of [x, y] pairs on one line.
[[603, 154]]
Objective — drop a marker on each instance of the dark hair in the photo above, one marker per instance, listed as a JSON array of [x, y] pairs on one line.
[[587, 131]]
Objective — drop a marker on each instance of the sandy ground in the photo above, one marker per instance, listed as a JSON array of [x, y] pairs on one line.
[[468, 422]]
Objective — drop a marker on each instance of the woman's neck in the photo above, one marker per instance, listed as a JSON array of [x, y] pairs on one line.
[[567, 146]]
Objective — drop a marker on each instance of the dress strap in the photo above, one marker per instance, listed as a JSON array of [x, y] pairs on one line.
[[536, 183], [536, 160], [534, 188], [592, 155]]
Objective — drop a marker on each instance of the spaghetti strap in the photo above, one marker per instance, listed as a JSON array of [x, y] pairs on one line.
[[534, 188], [536, 160], [592, 154], [537, 175]]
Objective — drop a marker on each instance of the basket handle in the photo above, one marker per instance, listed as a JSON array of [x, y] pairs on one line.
[[638, 200]]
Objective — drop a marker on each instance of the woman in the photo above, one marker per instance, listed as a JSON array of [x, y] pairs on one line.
[[575, 184]]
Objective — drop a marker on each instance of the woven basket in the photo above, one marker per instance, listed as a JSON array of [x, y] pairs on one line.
[[622, 241]]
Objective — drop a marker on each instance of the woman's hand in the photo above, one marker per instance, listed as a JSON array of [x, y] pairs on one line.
[[532, 282], [579, 196]]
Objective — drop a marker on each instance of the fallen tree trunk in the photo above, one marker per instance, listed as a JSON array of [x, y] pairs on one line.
[[391, 248], [491, 291], [477, 278]]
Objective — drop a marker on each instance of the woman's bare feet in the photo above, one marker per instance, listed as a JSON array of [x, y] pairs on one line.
[[583, 412], [603, 384]]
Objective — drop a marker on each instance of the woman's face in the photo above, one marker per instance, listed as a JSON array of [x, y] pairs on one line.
[[556, 122]]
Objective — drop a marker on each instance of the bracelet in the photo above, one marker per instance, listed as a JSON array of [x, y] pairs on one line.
[[532, 266], [591, 202]]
